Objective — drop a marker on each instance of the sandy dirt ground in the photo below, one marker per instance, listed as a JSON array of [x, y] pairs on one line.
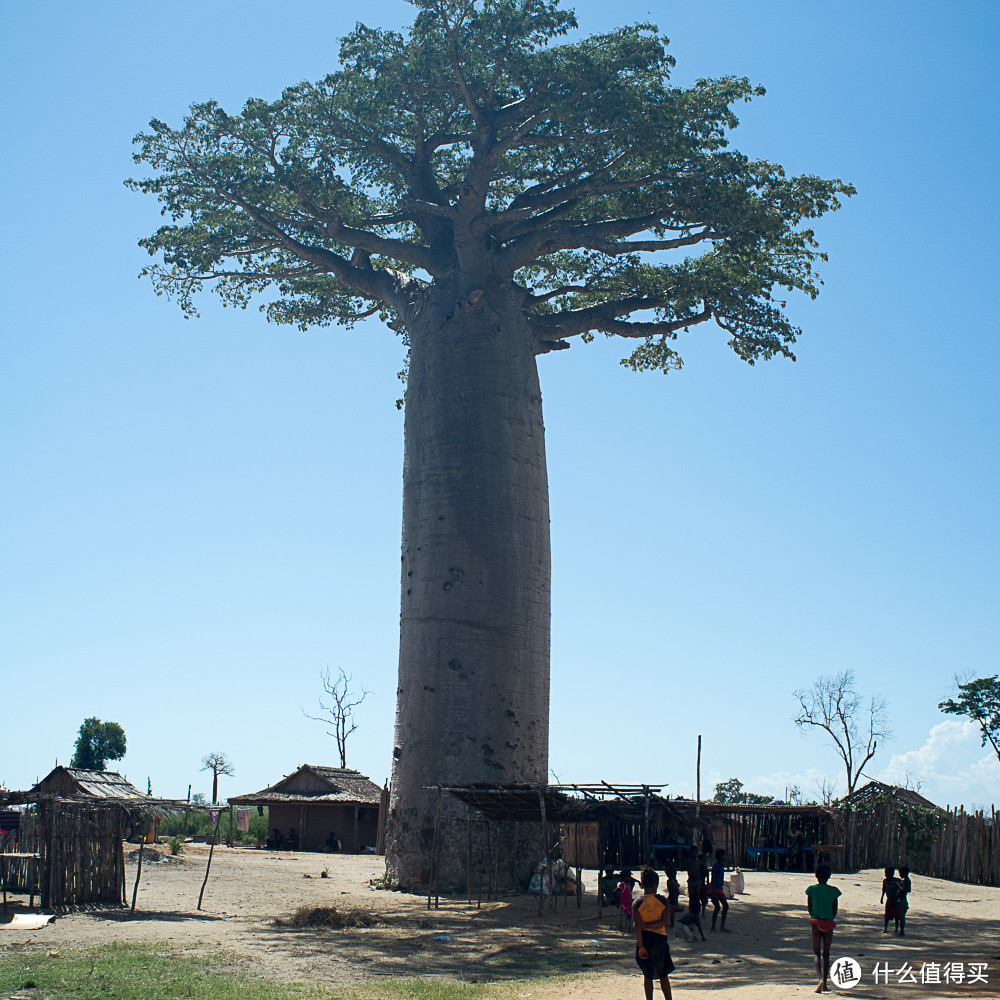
[[766, 955]]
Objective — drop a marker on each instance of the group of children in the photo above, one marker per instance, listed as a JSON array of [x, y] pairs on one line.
[[704, 886], [895, 892], [651, 915]]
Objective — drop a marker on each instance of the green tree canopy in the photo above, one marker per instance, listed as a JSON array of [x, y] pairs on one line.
[[98, 743], [731, 792], [979, 700], [572, 171]]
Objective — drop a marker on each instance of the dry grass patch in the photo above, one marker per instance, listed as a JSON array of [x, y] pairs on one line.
[[329, 916]]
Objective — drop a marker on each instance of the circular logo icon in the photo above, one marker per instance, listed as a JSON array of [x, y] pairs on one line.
[[845, 973]]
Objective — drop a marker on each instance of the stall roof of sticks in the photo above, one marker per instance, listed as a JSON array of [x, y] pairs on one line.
[[876, 792]]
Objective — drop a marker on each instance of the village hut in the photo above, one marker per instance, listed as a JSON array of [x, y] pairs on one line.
[[77, 783], [70, 840], [321, 803]]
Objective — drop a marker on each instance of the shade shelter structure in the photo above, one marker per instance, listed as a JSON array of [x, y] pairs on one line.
[[585, 825], [318, 802]]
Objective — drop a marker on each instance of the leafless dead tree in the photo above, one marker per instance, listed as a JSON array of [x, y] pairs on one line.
[[340, 709], [833, 705]]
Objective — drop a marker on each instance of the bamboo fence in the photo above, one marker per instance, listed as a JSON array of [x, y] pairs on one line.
[[82, 848], [942, 843]]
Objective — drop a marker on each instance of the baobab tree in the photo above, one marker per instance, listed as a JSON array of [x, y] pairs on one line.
[[492, 198], [217, 763]]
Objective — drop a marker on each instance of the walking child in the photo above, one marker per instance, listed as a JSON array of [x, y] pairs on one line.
[[821, 901], [693, 915], [890, 893], [903, 900], [652, 952]]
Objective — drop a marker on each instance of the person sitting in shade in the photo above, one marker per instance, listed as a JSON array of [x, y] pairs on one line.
[[292, 841], [333, 843]]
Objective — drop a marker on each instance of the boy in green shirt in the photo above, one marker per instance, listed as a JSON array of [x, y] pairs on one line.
[[822, 905]]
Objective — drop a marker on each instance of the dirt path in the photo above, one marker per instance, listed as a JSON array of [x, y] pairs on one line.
[[765, 957]]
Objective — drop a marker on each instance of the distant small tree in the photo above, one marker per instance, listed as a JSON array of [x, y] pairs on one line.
[[98, 743], [198, 799], [217, 763], [731, 792], [795, 796], [827, 790], [979, 700], [339, 709], [833, 705]]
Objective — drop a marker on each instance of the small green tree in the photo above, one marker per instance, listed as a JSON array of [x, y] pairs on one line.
[[98, 743], [979, 700], [731, 792]]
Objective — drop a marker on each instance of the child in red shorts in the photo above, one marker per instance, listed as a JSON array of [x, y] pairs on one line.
[[822, 905]]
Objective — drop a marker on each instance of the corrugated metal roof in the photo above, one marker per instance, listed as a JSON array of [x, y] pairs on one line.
[[341, 786], [94, 784]]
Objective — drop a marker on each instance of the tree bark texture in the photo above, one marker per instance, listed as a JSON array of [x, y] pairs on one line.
[[473, 696]]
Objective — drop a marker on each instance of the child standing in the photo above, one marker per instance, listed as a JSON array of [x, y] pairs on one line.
[[652, 952], [625, 898], [673, 894], [717, 890], [821, 901], [903, 900], [890, 893]]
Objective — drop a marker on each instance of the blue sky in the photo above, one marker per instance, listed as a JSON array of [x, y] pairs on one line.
[[199, 516]]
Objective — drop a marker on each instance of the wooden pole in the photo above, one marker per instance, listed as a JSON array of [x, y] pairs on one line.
[[138, 867], [541, 874], [211, 851], [697, 794], [468, 822]]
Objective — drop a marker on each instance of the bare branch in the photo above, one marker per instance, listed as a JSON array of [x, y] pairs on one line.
[[339, 713], [832, 705]]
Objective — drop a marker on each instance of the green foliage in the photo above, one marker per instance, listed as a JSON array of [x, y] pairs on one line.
[[97, 743], [731, 792], [199, 824], [176, 845], [474, 144], [979, 700]]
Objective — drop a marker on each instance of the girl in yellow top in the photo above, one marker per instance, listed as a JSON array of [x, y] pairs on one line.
[[652, 952]]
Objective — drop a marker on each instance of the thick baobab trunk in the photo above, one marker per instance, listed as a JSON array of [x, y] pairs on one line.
[[473, 696]]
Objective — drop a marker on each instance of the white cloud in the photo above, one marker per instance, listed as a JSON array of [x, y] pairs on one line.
[[951, 766]]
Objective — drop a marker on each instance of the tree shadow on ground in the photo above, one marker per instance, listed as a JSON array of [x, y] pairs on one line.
[[510, 941]]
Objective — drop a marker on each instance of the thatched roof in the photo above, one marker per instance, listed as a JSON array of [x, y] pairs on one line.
[[876, 791], [319, 784], [76, 781]]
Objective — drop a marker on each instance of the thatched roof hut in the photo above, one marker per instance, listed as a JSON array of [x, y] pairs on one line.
[[320, 802]]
